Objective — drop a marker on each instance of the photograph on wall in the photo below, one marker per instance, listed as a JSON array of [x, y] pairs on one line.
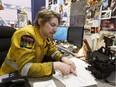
[[105, 4], [87, 31], [97, 30], [92, 30], [22, 19], [97, 15], [87, 26], [108, 24], [109, 5], [49, 2], [113, 8], [106, 14]]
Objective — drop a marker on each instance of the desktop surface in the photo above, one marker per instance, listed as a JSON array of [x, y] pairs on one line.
[[60, 84]]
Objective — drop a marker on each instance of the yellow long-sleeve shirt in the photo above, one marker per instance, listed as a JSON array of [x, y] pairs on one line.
[[27, 51]]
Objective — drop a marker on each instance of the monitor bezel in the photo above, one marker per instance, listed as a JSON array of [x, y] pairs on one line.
[[82, 35]]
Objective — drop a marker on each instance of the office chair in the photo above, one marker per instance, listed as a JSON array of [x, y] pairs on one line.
[[5, 41]]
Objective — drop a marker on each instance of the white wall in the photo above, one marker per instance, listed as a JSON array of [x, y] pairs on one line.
[[11, 14], [23, 3]]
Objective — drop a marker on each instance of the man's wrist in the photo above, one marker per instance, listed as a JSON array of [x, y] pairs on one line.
[[61, 58], [53, 70]]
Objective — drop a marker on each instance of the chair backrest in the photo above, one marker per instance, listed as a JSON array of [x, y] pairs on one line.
[[5, 41]]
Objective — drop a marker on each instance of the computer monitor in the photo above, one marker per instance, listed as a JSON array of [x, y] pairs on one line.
[[75, 36], [61, 33]]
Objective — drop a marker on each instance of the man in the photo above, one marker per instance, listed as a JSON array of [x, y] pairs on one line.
[[31, 44]]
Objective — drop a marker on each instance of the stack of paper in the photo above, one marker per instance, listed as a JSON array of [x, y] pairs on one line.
[[48, 83], [83, 78]]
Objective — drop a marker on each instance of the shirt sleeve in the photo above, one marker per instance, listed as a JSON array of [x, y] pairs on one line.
[[22, 51], [54, 52]]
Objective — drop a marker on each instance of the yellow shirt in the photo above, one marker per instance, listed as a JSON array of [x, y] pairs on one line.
[[27, 51]]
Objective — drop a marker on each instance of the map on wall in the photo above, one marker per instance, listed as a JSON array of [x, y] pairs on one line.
[[22, 19]]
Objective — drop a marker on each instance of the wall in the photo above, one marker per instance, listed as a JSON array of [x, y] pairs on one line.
[[99, 20], [36, 6], [10, 9]]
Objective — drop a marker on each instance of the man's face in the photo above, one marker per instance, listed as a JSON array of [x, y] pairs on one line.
[[49, 28]]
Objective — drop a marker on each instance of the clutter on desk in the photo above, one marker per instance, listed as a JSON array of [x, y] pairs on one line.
[[110, 41], [70, 49], [102, 64], [66, 45]]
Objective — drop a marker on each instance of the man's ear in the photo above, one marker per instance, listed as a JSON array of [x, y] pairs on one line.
[[40, 21]]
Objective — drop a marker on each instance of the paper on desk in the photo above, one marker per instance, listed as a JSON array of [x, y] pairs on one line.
[[48, 83], [83, 78]]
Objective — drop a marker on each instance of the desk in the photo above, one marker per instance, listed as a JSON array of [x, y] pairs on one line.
[[56, 81], [60, 84]]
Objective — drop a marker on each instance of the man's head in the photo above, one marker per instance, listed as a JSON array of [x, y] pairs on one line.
[[45, 15]]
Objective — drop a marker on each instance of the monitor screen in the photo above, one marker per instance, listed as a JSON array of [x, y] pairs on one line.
[[75, 36], [61, 33]]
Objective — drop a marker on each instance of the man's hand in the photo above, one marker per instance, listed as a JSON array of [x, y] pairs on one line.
[[62, 67], [72, 65]]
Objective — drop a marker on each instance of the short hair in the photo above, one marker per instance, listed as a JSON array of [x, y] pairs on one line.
[[46, 15]]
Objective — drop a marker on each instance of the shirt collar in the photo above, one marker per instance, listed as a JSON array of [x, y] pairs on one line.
[[38, 37]]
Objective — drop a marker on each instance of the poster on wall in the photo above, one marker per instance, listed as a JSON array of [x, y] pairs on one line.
[[113, 8], [106, 14], [78, 20], [78, 12], [78, 8], [22, 19], [93, 11], [109, 5], [108, 24], [105, 4], [62, 7]]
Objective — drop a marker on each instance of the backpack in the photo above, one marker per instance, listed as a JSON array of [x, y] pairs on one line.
[[102, 64]]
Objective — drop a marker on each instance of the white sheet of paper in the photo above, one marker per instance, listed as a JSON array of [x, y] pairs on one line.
[[83, 78], [95, 36], [95, 23], [48, 83]]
